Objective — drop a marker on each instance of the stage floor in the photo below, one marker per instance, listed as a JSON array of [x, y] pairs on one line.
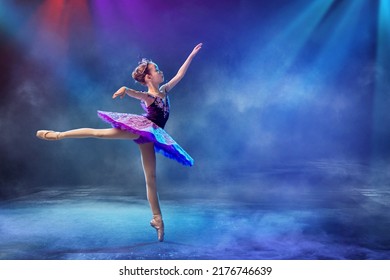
[[99, 223]]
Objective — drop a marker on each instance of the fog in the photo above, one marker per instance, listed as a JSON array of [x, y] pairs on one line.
[[257, 96]]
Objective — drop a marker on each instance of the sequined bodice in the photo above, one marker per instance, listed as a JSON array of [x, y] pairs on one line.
[[158, 111]]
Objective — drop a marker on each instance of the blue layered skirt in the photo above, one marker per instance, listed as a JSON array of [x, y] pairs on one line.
[[148, 132]]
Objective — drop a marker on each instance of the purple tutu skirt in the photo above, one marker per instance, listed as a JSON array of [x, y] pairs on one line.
[[148, 132]]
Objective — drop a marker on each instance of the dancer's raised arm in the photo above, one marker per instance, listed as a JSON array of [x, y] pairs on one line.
[[183, 69]]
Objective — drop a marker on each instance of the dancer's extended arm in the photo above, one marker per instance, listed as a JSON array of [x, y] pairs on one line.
[[130, 92], [183, 69]]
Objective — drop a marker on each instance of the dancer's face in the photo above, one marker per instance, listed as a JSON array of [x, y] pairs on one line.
[[155, 73]]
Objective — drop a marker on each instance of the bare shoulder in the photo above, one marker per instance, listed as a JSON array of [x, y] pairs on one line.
[[164, 89]]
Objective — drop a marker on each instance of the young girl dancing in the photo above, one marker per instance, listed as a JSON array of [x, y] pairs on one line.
[[146, 130]]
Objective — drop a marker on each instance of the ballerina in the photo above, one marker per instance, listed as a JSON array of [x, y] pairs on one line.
[[146, 130]]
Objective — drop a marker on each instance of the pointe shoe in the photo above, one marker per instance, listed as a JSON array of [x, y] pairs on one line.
[[158, 224], [43, 134]]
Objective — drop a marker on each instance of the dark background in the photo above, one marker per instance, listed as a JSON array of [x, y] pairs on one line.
[[291, 86]]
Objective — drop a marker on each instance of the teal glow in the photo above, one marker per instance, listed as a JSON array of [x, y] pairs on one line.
[[297, 34], [383, 54], [381, 120], [274, 60], [343, 32], [10, 20]]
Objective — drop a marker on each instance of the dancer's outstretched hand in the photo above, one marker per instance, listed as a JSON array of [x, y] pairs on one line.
[[120, 92], [196, 49]]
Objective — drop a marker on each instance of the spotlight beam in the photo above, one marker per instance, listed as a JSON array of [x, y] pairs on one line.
[[381, 117]]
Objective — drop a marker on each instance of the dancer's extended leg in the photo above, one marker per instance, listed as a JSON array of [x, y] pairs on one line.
[[148, 157], [105, 133]]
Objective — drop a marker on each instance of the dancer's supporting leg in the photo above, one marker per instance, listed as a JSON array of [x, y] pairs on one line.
[[148, 157]]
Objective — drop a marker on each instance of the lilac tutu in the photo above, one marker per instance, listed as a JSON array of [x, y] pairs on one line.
[[149, 132]]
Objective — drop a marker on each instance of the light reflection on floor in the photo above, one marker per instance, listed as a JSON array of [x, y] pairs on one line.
[[89, 224]]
